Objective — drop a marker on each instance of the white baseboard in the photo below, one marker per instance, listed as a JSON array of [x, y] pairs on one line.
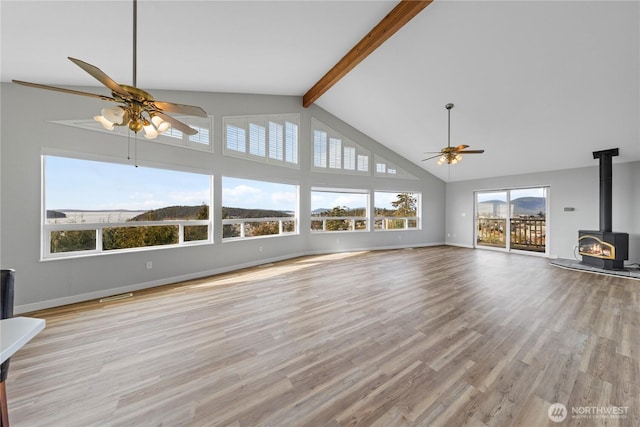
[[460, 245]]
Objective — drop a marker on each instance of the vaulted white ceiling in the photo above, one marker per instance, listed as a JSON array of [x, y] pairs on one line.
[[538, 84]]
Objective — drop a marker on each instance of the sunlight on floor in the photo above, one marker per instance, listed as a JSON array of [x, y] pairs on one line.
[[271, 270]]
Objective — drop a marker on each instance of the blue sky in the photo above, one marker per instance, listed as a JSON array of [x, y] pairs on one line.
[[88, 185], [245, 193]]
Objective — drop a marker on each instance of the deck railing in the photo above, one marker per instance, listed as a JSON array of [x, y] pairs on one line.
[[242, 228], [395, 223], [338, 223], [528, 234]]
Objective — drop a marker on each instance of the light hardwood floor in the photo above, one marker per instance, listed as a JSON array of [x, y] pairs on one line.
[[432, 336]]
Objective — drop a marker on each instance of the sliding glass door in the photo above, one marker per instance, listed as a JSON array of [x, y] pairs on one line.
[[514, 219]]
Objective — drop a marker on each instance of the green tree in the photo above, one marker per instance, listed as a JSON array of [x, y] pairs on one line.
[[194, 233], [203, 212], [264, 228], [405, 205], [337, 224], [72, 240], [198, 232], [137, 237]]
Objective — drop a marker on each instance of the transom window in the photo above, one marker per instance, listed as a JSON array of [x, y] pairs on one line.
[[336, 153], [272, 138], [384, 168], [200, 141]]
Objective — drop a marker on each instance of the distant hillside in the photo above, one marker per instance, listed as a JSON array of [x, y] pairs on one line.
[[252, 213], [523, 206], [319, 211], [55, 214], [173, 212], [201, 212], [528, 206]]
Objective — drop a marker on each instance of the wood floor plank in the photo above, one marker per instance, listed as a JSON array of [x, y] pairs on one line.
[[438, 336]]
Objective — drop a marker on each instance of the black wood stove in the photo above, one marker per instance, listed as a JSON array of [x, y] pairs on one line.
[[604, 248]]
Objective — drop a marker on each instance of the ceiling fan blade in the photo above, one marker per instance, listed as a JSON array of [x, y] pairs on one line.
[[461, 147], [99, 75], [182, 127], [171, 107], [432, 157], [471, 152], [59, 89]]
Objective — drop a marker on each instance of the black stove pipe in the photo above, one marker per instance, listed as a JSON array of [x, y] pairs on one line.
[[606, 186]]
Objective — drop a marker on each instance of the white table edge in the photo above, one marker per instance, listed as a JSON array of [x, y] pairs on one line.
[[15, 332]]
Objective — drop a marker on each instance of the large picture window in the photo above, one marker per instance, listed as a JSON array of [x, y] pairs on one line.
[[272, 138], [397, 210], [92, 207], [339, 210], [257, 208]]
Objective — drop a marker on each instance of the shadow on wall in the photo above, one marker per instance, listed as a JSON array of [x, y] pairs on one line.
[[634, 248]]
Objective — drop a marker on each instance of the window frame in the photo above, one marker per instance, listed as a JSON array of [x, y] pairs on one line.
[[46, 229], [295, 219], [352, 220], [406, 220], [329, 152]]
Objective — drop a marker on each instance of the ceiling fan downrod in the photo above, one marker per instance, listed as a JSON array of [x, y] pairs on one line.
[[448, 107], [135, 41]]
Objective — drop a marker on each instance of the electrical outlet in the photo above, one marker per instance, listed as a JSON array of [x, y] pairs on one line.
[[149, 265]]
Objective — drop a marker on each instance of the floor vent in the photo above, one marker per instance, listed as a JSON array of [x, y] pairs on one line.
[[117, 297]]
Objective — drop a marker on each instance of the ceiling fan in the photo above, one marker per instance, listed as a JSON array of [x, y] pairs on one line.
[[451, 155], [139, 110]]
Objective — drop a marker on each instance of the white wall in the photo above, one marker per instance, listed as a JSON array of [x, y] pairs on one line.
[[576, 188], [26, 133]]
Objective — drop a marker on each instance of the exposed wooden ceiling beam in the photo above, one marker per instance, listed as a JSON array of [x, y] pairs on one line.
[[396, 19]]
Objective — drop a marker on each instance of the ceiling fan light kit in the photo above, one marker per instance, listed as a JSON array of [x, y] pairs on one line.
[[132, 117], [450, 158], [451, 155]]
